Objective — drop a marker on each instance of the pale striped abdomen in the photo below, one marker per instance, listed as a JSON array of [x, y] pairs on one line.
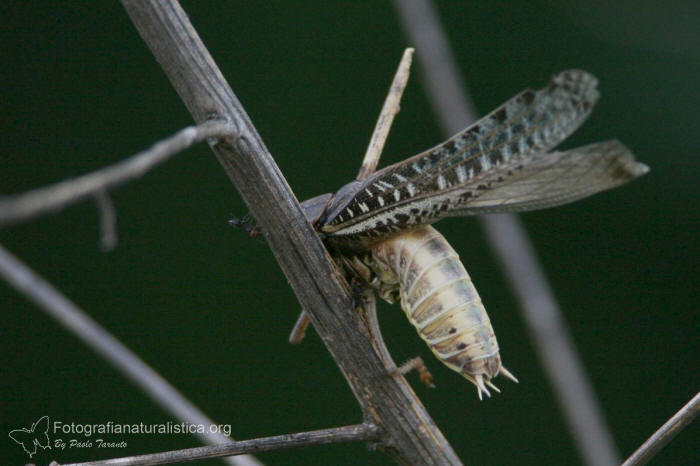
[[421, 269]]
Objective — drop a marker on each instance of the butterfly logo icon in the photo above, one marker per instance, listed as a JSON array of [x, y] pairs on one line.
[[37, 435]]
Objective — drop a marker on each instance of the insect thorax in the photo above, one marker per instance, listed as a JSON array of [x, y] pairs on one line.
[[363, 267]]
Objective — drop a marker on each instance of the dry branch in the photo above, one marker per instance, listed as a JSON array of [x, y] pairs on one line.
[[386, 117], [108, 220], [407, 431], [54, 303], [54, 197], [278, 442], [665, 433]]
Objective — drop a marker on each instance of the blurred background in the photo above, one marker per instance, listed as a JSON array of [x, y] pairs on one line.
[[210, 310]]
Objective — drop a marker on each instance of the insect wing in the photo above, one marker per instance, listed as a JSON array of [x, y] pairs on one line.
[[543, 180], [425, 187]]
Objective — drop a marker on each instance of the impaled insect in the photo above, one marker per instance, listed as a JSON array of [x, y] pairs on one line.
[[378, 228]]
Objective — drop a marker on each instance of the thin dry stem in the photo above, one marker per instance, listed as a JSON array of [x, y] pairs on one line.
[[299, 330], [360, 432], [666, 433], [386, 117], [78, 322], [369, 305], [40, 201], [371, 159], [108, 220]]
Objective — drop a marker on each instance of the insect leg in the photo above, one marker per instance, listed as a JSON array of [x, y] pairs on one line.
[[246, 223], [299, 331], [418, 365]]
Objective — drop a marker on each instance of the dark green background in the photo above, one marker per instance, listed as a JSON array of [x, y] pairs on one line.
[[208, 307]]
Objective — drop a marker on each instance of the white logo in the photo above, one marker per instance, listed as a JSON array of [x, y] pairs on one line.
[[37, 435]]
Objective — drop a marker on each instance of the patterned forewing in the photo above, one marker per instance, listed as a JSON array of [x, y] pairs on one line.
[[424, 188]]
